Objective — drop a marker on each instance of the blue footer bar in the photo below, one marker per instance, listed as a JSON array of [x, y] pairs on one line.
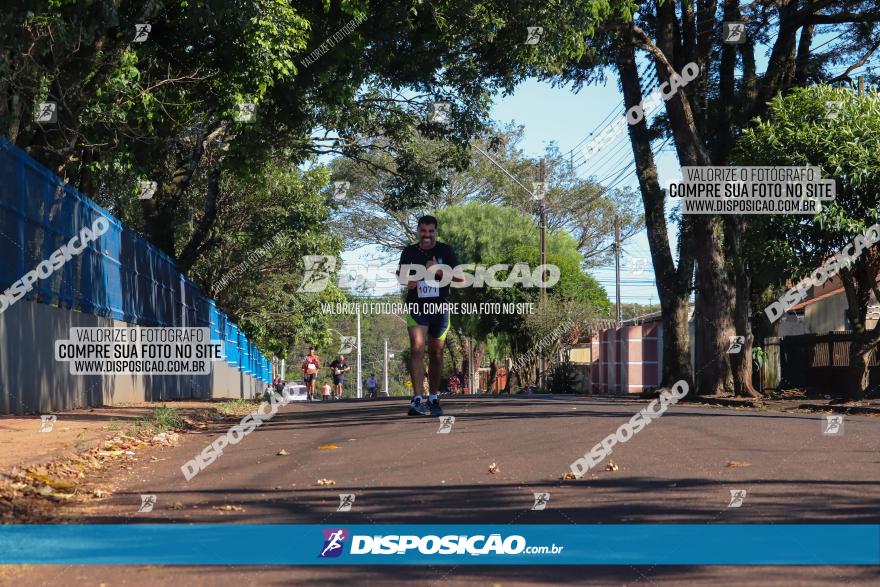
[[476, 544]]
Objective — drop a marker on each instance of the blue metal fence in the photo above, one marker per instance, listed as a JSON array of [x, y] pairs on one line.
[[120, 275]]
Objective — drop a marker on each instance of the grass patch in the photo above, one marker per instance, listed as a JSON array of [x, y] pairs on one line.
[[163, 419], [236, 407]]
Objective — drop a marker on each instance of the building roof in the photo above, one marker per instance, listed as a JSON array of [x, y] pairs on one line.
[[817, 298], [653, 317]]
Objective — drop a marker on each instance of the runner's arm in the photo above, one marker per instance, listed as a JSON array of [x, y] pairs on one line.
[[405, 260]]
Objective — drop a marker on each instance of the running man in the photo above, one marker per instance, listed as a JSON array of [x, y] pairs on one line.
[[339, 367], [427, 328], [372, 386], [311, 365]]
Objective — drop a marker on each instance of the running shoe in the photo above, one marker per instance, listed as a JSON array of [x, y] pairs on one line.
[[417, 407], [435, 408]]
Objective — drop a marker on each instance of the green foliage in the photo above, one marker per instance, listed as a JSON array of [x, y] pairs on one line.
[[579, 207], [759, 356], [563, 378], [488, 234], [162, 110], [162, 419], [798, 130], [165, 419], [272, 216]]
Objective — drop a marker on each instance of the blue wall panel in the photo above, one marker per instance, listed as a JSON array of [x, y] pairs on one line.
[[120, 275]]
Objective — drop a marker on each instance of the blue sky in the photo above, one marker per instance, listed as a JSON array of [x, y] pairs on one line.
[[559, 115]]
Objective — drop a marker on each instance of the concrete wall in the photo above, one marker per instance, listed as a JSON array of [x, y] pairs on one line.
[[827, 315], [33, 382], [627, 360]]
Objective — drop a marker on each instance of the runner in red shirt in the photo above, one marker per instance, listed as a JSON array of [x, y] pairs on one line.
[[311, 365]]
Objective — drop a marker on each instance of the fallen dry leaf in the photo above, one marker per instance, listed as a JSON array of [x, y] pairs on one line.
[[109, 453], [228, 508], [323, 482], [737, 464], [327, 446], [611, 466], [53, 483], [165, 438], [283, 453], [568, 475], [493, 468], [177, 506]]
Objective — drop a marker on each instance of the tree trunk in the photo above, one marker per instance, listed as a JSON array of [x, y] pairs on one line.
[[859, 281], [714, 301], [712, 314], [673, 285], [479, 351], [160, 211], [741, 362], [194, 248], [857, 376]]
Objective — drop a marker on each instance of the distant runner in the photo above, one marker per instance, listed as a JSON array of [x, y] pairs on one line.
[[427, 327], [339, 367], [372, 386], [310, 366]]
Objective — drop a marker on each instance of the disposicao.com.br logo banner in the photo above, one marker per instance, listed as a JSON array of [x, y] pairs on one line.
[[396, 545], [441, 544]]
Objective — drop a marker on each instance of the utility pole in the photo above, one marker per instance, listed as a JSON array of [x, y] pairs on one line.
[[617, 268], [471, 369], [541, 175], [386, 369], [360, 384], [541, 180]]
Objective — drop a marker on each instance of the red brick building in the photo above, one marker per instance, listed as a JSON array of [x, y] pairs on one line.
[[628, 359]]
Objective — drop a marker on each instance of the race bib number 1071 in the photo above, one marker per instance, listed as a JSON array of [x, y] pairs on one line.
[[428, 291]]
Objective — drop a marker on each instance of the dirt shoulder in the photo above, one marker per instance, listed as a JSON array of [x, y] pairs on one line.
[[45, 462]]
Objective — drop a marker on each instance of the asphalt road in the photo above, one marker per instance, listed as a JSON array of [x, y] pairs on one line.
[[679, 469]]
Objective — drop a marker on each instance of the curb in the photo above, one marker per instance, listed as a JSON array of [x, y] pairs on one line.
[[840, 408], [728, 402]]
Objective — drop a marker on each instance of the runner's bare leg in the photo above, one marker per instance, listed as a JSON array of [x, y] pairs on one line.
[[435, 363], [417, 337]]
